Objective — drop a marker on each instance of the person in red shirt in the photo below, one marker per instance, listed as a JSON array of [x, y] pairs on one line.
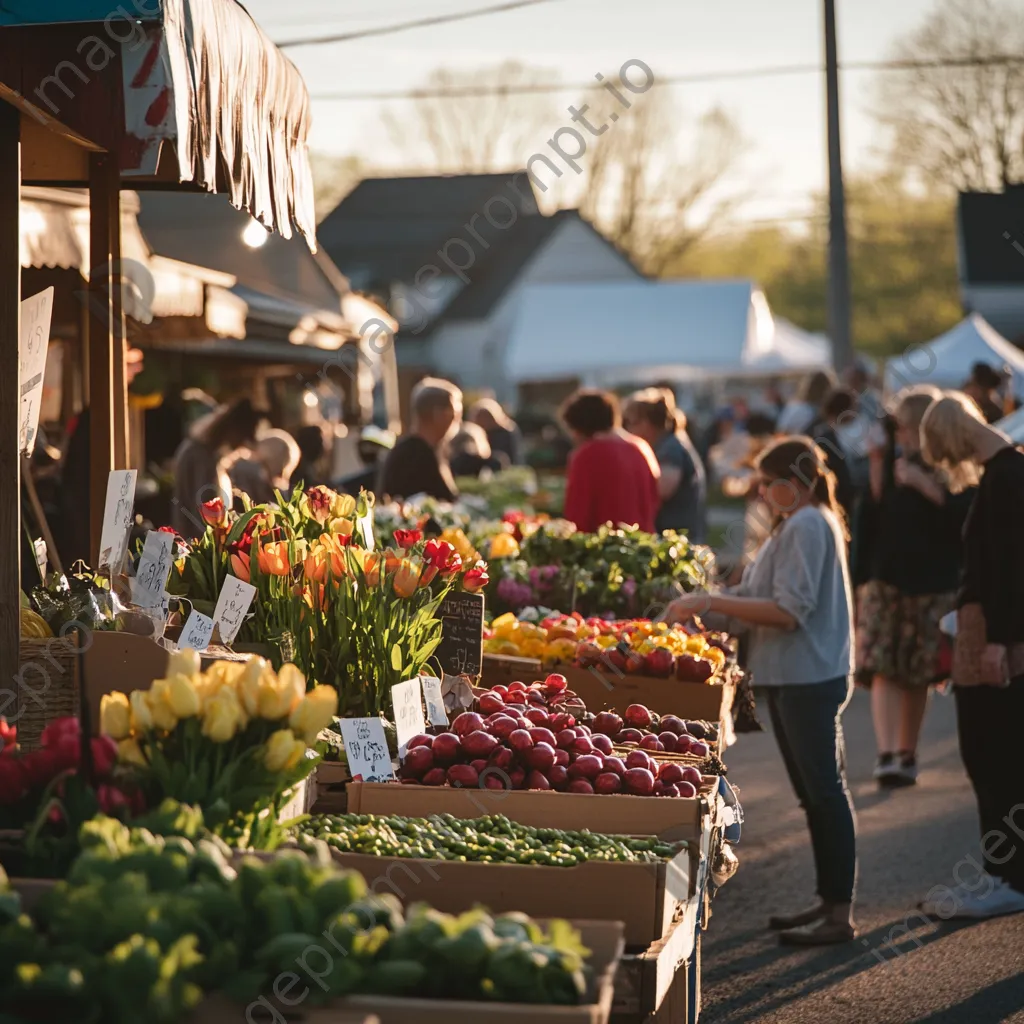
[[611, 479]]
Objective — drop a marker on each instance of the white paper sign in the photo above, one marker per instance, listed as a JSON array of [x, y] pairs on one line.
[[366, 529], [118, 510], [409, 721], [150, 580], [197, 632], [436, 713], [366, 748], [36, 313], [235, 598]]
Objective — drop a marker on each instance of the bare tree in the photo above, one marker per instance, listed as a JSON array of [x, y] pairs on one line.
[[475, 133], [655, 183], [960, 123], [333, 178]]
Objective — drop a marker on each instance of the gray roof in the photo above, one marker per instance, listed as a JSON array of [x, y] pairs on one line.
[[387, 229]]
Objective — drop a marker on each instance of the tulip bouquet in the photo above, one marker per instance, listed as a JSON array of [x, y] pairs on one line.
[[357, 618], [234, 739]]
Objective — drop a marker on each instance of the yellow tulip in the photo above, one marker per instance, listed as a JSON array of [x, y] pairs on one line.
[[184, 663], [163, 717], [129, 752], [115, 716], [224, 716], [283, 751], [248, 685], [314, 566], [314, 712], [279, 694], [504, 545], [183, 697], [343, 506], [142, 717], [342, 527], [407, 578]]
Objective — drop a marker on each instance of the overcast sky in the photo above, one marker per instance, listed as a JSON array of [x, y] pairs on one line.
[[782, 117]]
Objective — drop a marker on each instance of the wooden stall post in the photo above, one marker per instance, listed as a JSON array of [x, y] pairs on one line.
[[10, 405], [103, 189], [116, 276]]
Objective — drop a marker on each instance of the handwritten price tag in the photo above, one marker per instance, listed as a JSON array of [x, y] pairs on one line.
[[117, 519], [197, 632], [367, 749], [436, 713], [149, 582], [365, 524], [409, 722], [235, 598], [36, 314]]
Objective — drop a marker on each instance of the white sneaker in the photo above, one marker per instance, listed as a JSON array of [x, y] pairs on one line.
[[999, 900]]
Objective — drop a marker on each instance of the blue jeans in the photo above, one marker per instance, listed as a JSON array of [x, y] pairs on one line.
[[806, 722]]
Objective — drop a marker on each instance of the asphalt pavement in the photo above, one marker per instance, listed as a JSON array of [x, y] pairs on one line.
[[903, 968]]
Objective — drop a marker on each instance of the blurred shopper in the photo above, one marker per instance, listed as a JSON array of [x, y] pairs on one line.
[[265, 469], [469, 452], [198, 473], [795, 606], [803, 409], [839, 407], [610, 480], [908, 566], [982, 387], [312, 449], [374, 446], [418, 464], [860, 378], [988, 661], [652, 415], [503, 435]]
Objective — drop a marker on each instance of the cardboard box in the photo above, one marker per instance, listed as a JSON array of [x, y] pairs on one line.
[[504, 669], [646, 980], [602, 690], [645, 897], [669, 818], [602, 938]]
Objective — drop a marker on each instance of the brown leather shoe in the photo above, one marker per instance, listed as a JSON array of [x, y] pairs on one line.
[[782, 922], [824, 933]]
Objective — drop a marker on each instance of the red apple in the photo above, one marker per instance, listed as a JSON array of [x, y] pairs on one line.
[[480, 764], [630, 736], [467, 722], [500, 690], [516, 777], [542, 735], [566, 738], [699, 748], [418, 761], [651, 742], [556, 682], [582, 745], [537, 780], [686, 789], [583, 730], [435, 777], [659, 662], [538, 716], [608, 723], [639, 759], [541, 757], [516, 697], [635, 664], [693, 669], [559, 777], [503, 726], [639, 781], [669, 740], [491, 703], [520, 741], [638, 716], [502, 758], [608, 782], [517, 685], [445, 748], [692, 776], [613, 764], [580, 786], [589, 766], [464, 776], [667, 789], [602, 743], [673, 724], [561, 720], [670, 772], [562, 757]]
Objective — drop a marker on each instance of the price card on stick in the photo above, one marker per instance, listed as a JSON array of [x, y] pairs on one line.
[[366, 748], [118, 510], [149, 582], [409, 721], [33, 343], [196, 633], [436, 713], [234, 601], [365, 524]]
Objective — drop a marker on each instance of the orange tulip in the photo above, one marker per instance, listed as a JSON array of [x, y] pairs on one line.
[[407, 578], [370, 563], [392, 560], [427, 574], [240, 566], [314, 565], [273, 559]]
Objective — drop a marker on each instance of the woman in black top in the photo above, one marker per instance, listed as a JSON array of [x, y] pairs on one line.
[[990, 711], [908, 565]]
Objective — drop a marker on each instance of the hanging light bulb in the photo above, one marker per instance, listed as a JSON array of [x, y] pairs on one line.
[[255, 234]]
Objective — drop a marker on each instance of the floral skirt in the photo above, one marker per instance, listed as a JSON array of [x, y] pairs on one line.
[[898, 635]]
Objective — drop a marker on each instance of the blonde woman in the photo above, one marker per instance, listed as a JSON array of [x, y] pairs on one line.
[[988, 667], [908, 564]]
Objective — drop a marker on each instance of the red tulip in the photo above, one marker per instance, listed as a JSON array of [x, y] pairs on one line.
[[13, 783], [406, 539], [476, 578], [58, 728], [104, 755], [214, 513]]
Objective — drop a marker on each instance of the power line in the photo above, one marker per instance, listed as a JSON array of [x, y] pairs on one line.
[[405, 26], [454, 92]]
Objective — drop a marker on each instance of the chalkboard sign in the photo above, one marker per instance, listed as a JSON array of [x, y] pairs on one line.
[[461, 651]]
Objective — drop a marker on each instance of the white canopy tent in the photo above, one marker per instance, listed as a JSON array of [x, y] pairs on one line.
[[610, 332], [946, 362]]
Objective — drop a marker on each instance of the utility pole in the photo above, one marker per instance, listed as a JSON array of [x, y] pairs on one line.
[[838, 243]]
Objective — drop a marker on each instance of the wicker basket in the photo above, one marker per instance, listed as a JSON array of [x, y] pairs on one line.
[[47, 685]]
